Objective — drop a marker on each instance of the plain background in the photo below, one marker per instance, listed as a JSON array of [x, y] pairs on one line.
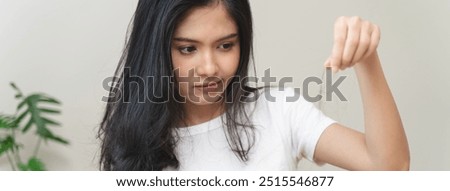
[[66, 49]]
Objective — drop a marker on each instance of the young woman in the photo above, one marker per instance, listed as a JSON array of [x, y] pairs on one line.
[[182, 99]]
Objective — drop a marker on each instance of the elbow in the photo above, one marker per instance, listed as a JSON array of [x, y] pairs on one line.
[[405, 165], [397, 161], [392, 164], [399, 165]]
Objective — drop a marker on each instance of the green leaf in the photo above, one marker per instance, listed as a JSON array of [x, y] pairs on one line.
[[46, 134], [7, 122], [30, 101], [19, 93], [50, 122], [6, 144], [21, 104], [59, 140], [44, 98], [27, 126], [29, 109], [48, 110], [13, 85], [21, 116], [36, 117], [34, 164], [23, 167]]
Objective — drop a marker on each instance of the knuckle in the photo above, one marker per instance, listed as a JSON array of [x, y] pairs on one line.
[[355, 23], [340, 20], [365, 42], [377, 28], [346, 60], [366, 24], [340, 39], [355, 19], [335, 57], [354, 41], [374, 27]]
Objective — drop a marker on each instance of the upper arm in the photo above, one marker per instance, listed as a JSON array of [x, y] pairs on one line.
[[343, 147]]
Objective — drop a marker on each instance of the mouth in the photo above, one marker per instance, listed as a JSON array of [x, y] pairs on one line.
[[209, 85]]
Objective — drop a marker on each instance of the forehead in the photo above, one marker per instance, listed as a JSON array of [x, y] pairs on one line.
[[207, 22]]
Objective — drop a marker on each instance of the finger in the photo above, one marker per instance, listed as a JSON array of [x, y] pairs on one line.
[[364, 42], [352, 41], [327, 63], [374, 40], [340, 35]]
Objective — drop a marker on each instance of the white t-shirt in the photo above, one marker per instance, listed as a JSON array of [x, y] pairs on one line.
[[285, 132]]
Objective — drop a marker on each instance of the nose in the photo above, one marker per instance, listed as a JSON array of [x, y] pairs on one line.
[[208, 66]]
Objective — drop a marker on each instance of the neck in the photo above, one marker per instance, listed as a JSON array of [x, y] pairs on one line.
[[197, 114]]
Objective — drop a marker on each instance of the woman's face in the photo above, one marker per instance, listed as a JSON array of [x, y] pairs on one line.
[[205, 54]]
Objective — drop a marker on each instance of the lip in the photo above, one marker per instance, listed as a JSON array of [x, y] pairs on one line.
[[210, 85]]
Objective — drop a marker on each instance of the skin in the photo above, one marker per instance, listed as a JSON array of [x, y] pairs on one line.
[[383, 146], [206, 44]]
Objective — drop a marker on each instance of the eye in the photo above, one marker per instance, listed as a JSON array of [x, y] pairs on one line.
[[226, 46], [187, 50]]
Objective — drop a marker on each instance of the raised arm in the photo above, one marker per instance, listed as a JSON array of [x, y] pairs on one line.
[[383, 145]]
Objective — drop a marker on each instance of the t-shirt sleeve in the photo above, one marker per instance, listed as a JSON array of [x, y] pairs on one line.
[[306, 123]]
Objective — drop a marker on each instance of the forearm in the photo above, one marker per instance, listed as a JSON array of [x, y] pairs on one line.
[[384, 134]]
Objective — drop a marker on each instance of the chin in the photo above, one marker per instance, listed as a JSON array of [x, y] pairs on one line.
[[203, 100]]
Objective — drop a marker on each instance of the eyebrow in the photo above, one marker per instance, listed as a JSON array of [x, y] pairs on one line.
[[183, 39]]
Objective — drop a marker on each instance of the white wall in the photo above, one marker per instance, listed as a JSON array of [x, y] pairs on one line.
[[63, 48], [66, 48]]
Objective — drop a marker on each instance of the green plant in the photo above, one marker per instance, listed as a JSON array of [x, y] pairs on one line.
[[31, 111]]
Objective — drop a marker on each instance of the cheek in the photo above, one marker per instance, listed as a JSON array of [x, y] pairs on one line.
[[181, 68], [180, 65], [232, 62], [175, 59]]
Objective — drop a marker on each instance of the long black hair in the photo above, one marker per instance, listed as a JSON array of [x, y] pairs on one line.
[[136, 133]]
